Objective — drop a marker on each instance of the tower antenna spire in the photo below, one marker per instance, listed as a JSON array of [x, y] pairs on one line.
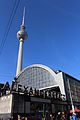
[[23, 19]]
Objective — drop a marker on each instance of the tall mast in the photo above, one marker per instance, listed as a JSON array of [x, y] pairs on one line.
[[21, 35], [70, 96]]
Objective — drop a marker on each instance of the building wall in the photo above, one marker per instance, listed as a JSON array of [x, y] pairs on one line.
[[5, 106], [74, 87], [20, 104], [60, 82]]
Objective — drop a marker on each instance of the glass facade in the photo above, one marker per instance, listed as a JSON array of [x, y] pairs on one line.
[[74, 88], [37, 77], [40, 76]]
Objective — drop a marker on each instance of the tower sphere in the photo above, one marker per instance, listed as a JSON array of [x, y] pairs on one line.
[[22, 34]]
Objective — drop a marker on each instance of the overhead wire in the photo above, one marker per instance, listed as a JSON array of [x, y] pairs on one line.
[[15, 7]]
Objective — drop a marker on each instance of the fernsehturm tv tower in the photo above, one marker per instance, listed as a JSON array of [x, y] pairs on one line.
[[21, 35]]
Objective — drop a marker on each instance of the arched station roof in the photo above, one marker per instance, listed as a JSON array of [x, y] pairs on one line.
[[37, 76]]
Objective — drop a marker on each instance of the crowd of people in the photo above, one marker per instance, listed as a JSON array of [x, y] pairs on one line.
[[64, 116], [55, 116]]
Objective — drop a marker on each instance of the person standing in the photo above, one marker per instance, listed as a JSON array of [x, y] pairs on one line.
[[63, 117], [74, 117]]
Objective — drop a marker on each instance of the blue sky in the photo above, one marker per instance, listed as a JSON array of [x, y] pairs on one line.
[[53, 28]]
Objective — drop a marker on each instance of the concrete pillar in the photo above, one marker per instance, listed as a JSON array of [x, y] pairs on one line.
[[20, 54]]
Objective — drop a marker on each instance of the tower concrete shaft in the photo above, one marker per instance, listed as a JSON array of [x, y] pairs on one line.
[[20, 56], [21, 35]]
